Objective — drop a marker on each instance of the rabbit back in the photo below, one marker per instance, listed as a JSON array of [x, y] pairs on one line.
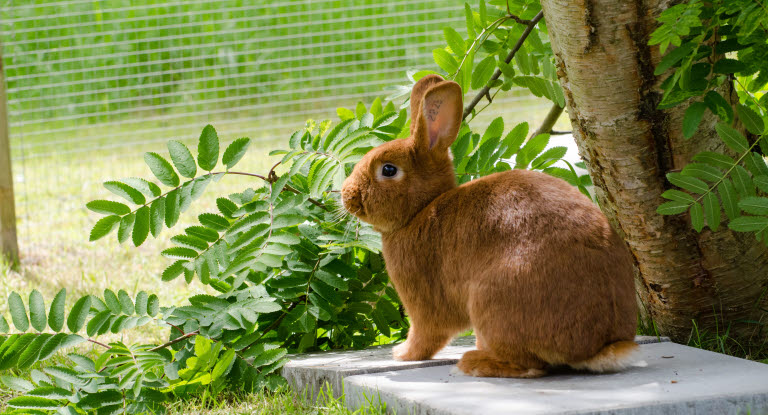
[[522, 256]]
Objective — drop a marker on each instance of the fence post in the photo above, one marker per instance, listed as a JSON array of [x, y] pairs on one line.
[[9, 246]]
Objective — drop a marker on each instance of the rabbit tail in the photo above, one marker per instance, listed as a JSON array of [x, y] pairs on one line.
[[611, 358]]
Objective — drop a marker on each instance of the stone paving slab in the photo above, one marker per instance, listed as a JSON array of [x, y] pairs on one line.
[[669, 379], [307, 373]]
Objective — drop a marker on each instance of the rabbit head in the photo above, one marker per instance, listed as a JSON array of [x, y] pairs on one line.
[[397, 179]]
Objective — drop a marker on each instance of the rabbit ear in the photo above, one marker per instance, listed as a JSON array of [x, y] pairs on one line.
[[440, 116], [417, 97]]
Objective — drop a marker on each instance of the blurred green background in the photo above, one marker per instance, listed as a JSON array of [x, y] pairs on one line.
[[92, 84]]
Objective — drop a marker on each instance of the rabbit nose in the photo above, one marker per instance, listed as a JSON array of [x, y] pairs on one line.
[[350, 199]]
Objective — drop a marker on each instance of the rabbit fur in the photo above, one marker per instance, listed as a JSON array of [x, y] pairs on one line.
[[521, 257]]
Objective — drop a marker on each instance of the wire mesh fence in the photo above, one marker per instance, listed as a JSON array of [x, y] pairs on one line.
[[111, 78]]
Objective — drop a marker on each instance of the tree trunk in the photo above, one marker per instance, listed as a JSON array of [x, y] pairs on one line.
[[606, 69]]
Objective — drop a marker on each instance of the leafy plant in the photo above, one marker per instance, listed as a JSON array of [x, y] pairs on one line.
[[719, 45]]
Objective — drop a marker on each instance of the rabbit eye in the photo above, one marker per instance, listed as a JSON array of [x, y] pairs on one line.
[[388, 170]]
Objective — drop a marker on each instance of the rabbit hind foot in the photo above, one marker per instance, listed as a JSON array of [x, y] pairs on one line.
[[482, 363]]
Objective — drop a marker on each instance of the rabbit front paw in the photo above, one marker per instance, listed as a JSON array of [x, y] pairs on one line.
[[402, 352], [406, 352]]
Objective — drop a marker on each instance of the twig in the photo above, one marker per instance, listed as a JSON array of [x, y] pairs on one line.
[[553, 132], [176, 340], [517, 19], [99, 343], [483, 92], [549, 120], [176, 327]]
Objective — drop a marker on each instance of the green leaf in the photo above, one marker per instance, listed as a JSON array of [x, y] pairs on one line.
[[208, 148], [702, 171], [697, 217], [126, 227], [179, 253], [688, 183], [18, 312], [56, 313], [331, 279], [727, 66], [126, 304], [104, 227], [325, 291], [147, 188], [674, 194], [172, 207], [761, 182], [754, 205], [213, 221], [269, 357], [4, 327], [718, 160], [157, 216], [112, 302], [483, 72], [182, 159], [203, 233], [673, 57], [173, 271], [141, 226], [108, 207], [153, 305], [37, 311], [514, 139], [718, 105], [141, 303], [97, 323], [549, 157], [692, 118], [751, 120], [17, 384], [712, 210], [57, 342], [732, 138], [343, 113], [235, 152], [470, 21], [277, 187], [34, 402], [162, 169], [78, 314], [749, 223], [742, 181], [30, 353], [445, 60], [381, 322], [454, 40], [127, 192], [226, 207], [729, 198], [672, 208], [66, 374]]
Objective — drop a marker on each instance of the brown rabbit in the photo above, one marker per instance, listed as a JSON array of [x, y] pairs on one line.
[[521, 257]]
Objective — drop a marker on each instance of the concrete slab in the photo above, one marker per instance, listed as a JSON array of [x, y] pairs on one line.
[[670, 379], [307, 373]]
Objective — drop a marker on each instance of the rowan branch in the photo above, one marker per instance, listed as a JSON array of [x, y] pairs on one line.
[[176, 340], [483, 92], [549, 120]]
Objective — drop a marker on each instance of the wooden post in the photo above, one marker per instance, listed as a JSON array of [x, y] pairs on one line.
[[9, 246]]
